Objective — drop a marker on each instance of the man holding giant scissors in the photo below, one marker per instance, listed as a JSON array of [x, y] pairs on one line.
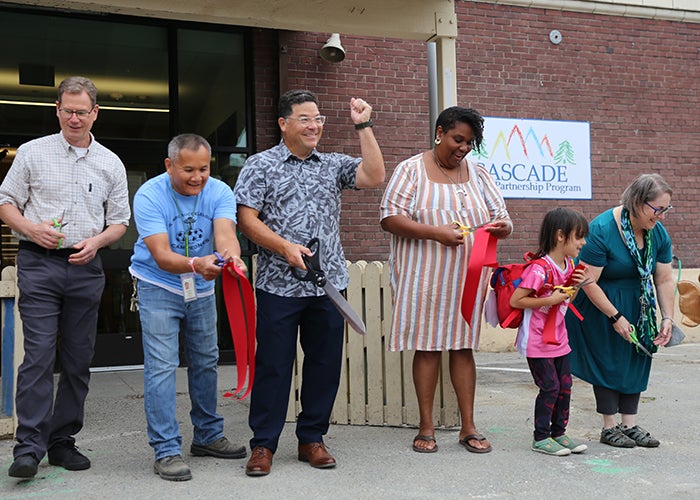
[[287, 196]]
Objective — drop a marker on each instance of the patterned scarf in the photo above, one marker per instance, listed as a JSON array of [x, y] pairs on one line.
[[646, 324]]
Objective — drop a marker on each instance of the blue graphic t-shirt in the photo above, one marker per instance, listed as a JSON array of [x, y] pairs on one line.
[[159, 209]]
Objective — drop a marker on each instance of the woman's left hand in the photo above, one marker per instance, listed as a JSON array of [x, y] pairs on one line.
[[500, 229], [664, 336]]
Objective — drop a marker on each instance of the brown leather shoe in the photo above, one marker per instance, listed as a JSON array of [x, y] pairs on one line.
[[317, 455], [260, 462]]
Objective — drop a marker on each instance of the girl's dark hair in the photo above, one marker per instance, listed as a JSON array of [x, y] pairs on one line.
[[449, 118], [567, 221]]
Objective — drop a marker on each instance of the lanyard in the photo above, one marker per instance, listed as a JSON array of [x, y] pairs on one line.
[[186, 224]]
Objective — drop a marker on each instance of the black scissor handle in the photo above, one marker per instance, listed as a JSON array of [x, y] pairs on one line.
[[313, 273]]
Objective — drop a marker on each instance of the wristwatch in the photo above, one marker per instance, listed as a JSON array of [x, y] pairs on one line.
[[613, 319]]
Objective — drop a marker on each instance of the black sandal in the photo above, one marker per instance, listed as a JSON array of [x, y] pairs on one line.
[[427, 439], [640, 437], [615, 437]]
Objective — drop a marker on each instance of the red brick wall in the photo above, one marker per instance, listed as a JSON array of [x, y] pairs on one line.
[[389, 74], [265, 88], [634, 80]]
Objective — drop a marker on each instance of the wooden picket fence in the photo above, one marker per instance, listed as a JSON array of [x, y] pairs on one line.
[[376, 386]]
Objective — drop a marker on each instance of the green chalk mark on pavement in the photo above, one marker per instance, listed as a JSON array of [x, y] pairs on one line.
[[607, 467]]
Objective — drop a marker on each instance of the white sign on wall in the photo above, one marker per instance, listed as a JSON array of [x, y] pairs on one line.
[[543, 159]]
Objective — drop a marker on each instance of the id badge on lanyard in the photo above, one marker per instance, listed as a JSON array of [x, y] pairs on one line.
[[189, 290]]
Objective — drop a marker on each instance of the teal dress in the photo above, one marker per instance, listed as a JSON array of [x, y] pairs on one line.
[[598, 354]]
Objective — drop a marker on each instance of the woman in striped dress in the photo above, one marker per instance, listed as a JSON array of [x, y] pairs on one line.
[[429, 255]]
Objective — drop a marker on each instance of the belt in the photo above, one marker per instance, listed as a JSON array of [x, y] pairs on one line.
[[64, 253]]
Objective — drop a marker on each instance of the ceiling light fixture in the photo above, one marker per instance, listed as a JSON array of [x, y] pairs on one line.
[[111, 108]]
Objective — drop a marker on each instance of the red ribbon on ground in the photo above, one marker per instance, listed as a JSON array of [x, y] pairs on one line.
[[240, 307], [483, 254]]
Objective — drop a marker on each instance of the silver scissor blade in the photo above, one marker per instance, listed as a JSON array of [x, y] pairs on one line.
[[345, 309], [585, 282], [644, 349], [474, 228]]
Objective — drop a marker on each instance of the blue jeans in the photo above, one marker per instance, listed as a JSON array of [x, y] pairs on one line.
[[163, 316]]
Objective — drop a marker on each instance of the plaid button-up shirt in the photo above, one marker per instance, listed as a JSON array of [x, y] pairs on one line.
[[49, 179]]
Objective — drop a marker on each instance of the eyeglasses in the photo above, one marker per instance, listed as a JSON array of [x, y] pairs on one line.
[[80, 113], [659, 210], [305, 121]]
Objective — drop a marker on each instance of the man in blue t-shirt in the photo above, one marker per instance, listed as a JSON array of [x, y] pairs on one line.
[[180, 215]]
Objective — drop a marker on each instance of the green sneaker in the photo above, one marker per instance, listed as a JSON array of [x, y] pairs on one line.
[[550, 447], [572, 444]]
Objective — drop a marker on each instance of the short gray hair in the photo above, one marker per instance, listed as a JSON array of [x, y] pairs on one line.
[[643, 189], [76, 85], [191, 142]]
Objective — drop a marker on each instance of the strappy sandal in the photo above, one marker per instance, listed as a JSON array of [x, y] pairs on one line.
[[615, 437], [641, 437]]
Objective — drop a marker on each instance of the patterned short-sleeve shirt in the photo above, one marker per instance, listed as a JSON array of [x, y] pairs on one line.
[[299, 200]]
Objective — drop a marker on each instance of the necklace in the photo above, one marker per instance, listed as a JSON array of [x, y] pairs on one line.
[[442, 169]]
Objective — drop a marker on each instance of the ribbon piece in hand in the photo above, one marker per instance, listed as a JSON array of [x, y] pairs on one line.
[[240, 307], [483, 254]]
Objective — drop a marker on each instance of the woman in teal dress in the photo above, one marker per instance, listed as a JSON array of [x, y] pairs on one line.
[[628, 254]]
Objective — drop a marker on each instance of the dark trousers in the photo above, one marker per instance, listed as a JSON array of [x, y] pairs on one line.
[[553, 377], [321, 333], [58, 305]]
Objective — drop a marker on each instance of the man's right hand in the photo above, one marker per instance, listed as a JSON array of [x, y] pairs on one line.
[[293, 252], [44, 234]]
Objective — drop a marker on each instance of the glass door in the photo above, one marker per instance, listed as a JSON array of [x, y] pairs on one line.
[[156, 79]]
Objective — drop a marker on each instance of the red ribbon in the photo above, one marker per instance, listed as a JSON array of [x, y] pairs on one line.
[[483, 254], [549, 334], [240, 307]]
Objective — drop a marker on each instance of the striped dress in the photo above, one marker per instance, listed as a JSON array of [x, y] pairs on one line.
[[427, 277]]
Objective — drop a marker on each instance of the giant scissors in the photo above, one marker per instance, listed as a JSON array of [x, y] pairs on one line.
[[315, 274]]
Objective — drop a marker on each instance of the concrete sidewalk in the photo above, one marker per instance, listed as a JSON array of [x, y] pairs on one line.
[[377, 462]]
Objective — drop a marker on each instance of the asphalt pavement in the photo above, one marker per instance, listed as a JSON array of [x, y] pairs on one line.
[[377, 462]]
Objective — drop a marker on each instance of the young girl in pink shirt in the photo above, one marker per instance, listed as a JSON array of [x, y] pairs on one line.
[[547, 287]]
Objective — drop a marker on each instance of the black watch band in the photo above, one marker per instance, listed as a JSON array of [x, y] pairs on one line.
[[613, 319], [360, 126]]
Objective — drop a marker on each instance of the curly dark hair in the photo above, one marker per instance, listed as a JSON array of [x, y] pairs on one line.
[[449, 117]]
